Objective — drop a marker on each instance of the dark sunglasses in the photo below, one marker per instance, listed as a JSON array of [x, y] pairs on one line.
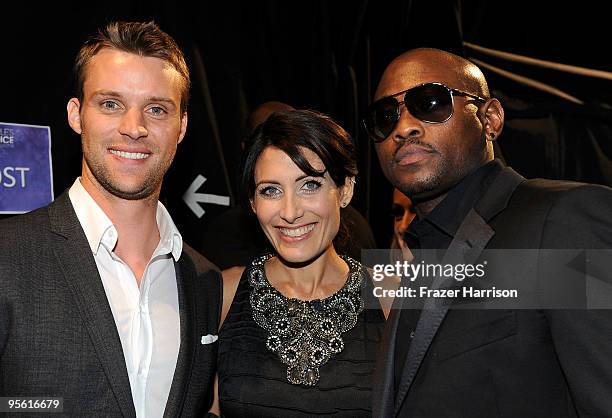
[[430, 102]]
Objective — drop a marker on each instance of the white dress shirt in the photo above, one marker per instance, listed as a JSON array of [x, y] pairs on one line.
[[147, 318]]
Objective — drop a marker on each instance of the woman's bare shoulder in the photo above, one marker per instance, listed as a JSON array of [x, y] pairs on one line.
[[386, 284], [231, 279]]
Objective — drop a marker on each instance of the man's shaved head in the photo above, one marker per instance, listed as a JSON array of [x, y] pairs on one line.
[[261, 113], [460, 73]]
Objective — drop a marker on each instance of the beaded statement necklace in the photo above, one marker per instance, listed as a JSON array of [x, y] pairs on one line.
[[305, 334]]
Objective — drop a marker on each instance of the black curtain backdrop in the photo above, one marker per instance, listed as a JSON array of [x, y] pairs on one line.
[[325, 55]]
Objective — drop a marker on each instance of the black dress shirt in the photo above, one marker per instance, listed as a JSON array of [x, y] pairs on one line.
[[435, 232]]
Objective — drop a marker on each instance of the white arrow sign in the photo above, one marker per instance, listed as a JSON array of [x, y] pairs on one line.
[[192, 198]]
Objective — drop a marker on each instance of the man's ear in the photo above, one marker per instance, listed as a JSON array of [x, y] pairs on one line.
[[493, 118], [346, 191], [183, 127], [73, 109]]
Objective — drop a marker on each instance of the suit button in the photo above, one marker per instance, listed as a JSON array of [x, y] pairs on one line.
[[411, 334]]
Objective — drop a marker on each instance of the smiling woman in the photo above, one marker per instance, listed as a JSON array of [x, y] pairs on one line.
[[312, 345], [299, 213]]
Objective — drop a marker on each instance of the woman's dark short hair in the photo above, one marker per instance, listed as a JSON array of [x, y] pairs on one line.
[[292, 130]]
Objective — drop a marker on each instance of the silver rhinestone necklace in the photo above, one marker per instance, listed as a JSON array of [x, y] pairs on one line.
[[305, 334]]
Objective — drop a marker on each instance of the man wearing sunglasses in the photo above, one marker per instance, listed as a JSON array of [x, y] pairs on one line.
[[433, 123]]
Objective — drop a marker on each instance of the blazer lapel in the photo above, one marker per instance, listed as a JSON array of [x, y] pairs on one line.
[[80, 271], [470, 240], [185, 275]]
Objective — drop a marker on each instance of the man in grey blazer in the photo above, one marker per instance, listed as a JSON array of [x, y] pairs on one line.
[[101, 303]]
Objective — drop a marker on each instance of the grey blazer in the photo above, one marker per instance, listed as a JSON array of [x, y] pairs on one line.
[[57, 332]]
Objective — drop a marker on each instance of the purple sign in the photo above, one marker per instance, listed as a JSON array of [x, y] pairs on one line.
[[26, 177]]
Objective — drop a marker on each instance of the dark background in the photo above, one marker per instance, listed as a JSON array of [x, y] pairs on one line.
[[325, 55]]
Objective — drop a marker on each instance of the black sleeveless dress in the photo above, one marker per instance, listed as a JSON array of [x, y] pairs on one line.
[[253, 382]]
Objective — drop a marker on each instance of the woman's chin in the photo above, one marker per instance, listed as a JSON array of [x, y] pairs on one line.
[[299, 256], [295, 256]]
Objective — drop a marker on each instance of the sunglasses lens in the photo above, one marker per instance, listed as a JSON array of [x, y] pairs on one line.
[[382, 117], [430, 103]]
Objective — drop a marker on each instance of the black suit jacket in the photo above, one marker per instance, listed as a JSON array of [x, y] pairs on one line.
[[511, 363], [57, 332]]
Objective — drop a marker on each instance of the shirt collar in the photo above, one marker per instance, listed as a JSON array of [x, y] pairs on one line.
[[99, 229], [448, 214], [170, 238]]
